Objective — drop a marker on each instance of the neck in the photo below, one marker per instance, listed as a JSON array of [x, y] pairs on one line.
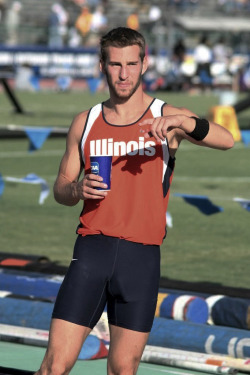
[[127, 111], [121, 105]]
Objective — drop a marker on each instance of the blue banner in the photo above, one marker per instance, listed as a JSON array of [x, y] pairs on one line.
[[37, 137], [201, 202]]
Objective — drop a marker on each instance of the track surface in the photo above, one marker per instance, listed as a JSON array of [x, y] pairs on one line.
[[28, 358]]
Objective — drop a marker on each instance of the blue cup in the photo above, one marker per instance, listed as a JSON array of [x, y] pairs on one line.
[[101, 166]]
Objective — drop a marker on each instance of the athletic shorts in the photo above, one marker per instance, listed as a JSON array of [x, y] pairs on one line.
[[114, 273]]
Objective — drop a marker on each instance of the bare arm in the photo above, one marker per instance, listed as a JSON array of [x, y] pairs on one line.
[[68, 190], [180, 122]]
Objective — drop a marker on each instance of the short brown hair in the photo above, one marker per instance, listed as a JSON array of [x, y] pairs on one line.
[[121, 37]]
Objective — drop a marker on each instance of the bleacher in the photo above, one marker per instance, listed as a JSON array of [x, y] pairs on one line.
[[35, 15], [34, 21]]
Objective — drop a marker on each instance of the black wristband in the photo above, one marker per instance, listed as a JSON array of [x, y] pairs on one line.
[[201, 129]]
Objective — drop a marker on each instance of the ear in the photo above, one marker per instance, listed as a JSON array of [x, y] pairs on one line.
[[102, 66], [144, 65]]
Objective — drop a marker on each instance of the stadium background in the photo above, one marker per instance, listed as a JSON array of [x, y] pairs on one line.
[[199, 247], [207, 247]]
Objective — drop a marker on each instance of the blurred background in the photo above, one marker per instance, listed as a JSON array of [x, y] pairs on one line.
[[199, 58], [182, 36]]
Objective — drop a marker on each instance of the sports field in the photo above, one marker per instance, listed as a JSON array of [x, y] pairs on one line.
[[198, 247], [28, 358]]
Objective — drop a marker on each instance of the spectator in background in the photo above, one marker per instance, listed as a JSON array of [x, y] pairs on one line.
[[58, 28], [175, 79], [194, 4], [179, 51], [133, 21], [244, 78], [154, 14], [74, 38], [221, 53], [13, 23], [83, 23], [203, 59], [241, 5], [80, 3], [154, 18], [98, 21], [2, 10], [23, 78]]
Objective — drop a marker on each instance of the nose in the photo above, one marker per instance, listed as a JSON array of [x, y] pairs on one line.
[[123, 73]]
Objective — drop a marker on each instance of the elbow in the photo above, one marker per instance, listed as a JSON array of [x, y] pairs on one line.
[[230, 142], [57, 195], [227, 142], [56, 192], [57, 198], [64, 201], [63, 197]]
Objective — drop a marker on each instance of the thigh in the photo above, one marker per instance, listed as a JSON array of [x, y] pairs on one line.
[[83, 293], [125, 351], [134, 286], [65, 342]]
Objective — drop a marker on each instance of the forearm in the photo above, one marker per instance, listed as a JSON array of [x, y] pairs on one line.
[[213, 135], [184, 124], [65, 191], [218, 138]]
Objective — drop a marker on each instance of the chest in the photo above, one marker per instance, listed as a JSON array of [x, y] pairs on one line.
[[106, 139]]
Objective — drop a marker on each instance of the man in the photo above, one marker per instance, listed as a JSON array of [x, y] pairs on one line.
[[116, 259], [203, 59]]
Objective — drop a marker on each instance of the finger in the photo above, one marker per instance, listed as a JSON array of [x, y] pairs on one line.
[[96, 184], [155, 135], [95, 196], [161, 129], [155, 129], [147, 121], [94, 177], [90, 191], [95, 192], [93, 181]]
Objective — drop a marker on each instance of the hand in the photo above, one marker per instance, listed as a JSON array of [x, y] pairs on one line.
[[158, 127], [86, 188]]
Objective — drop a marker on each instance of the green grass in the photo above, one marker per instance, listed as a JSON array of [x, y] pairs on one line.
[[46, 108], [210, 248], [198, 248], [58, 109]]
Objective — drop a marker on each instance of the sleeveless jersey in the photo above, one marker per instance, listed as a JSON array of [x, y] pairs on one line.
[[142, 169]]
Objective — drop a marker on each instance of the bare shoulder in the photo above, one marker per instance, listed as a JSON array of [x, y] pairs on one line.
[[170, 110], [77, 125]]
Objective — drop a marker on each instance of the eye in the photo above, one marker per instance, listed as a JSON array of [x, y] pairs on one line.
[[114, 64]]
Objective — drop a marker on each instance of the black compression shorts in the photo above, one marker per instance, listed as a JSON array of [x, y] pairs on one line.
[[108, 270]]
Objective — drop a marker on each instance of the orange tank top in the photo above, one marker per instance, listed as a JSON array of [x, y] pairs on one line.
[[142, 170]]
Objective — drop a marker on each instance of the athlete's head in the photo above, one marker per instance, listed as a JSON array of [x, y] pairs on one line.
[[123, 61], [121, 37]]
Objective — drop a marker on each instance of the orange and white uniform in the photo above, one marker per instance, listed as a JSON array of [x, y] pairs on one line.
[[142, 170]]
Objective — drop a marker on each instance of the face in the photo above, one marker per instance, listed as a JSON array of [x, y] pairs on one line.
[[123, 70]]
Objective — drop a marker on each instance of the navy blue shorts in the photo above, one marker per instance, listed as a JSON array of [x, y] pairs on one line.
[[110, 271]]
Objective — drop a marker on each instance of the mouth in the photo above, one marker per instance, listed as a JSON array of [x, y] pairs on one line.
[[123, 84]]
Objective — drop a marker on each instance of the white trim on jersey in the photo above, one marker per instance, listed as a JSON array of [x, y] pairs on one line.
[[93, 114], [165, 158], [156, 109]]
